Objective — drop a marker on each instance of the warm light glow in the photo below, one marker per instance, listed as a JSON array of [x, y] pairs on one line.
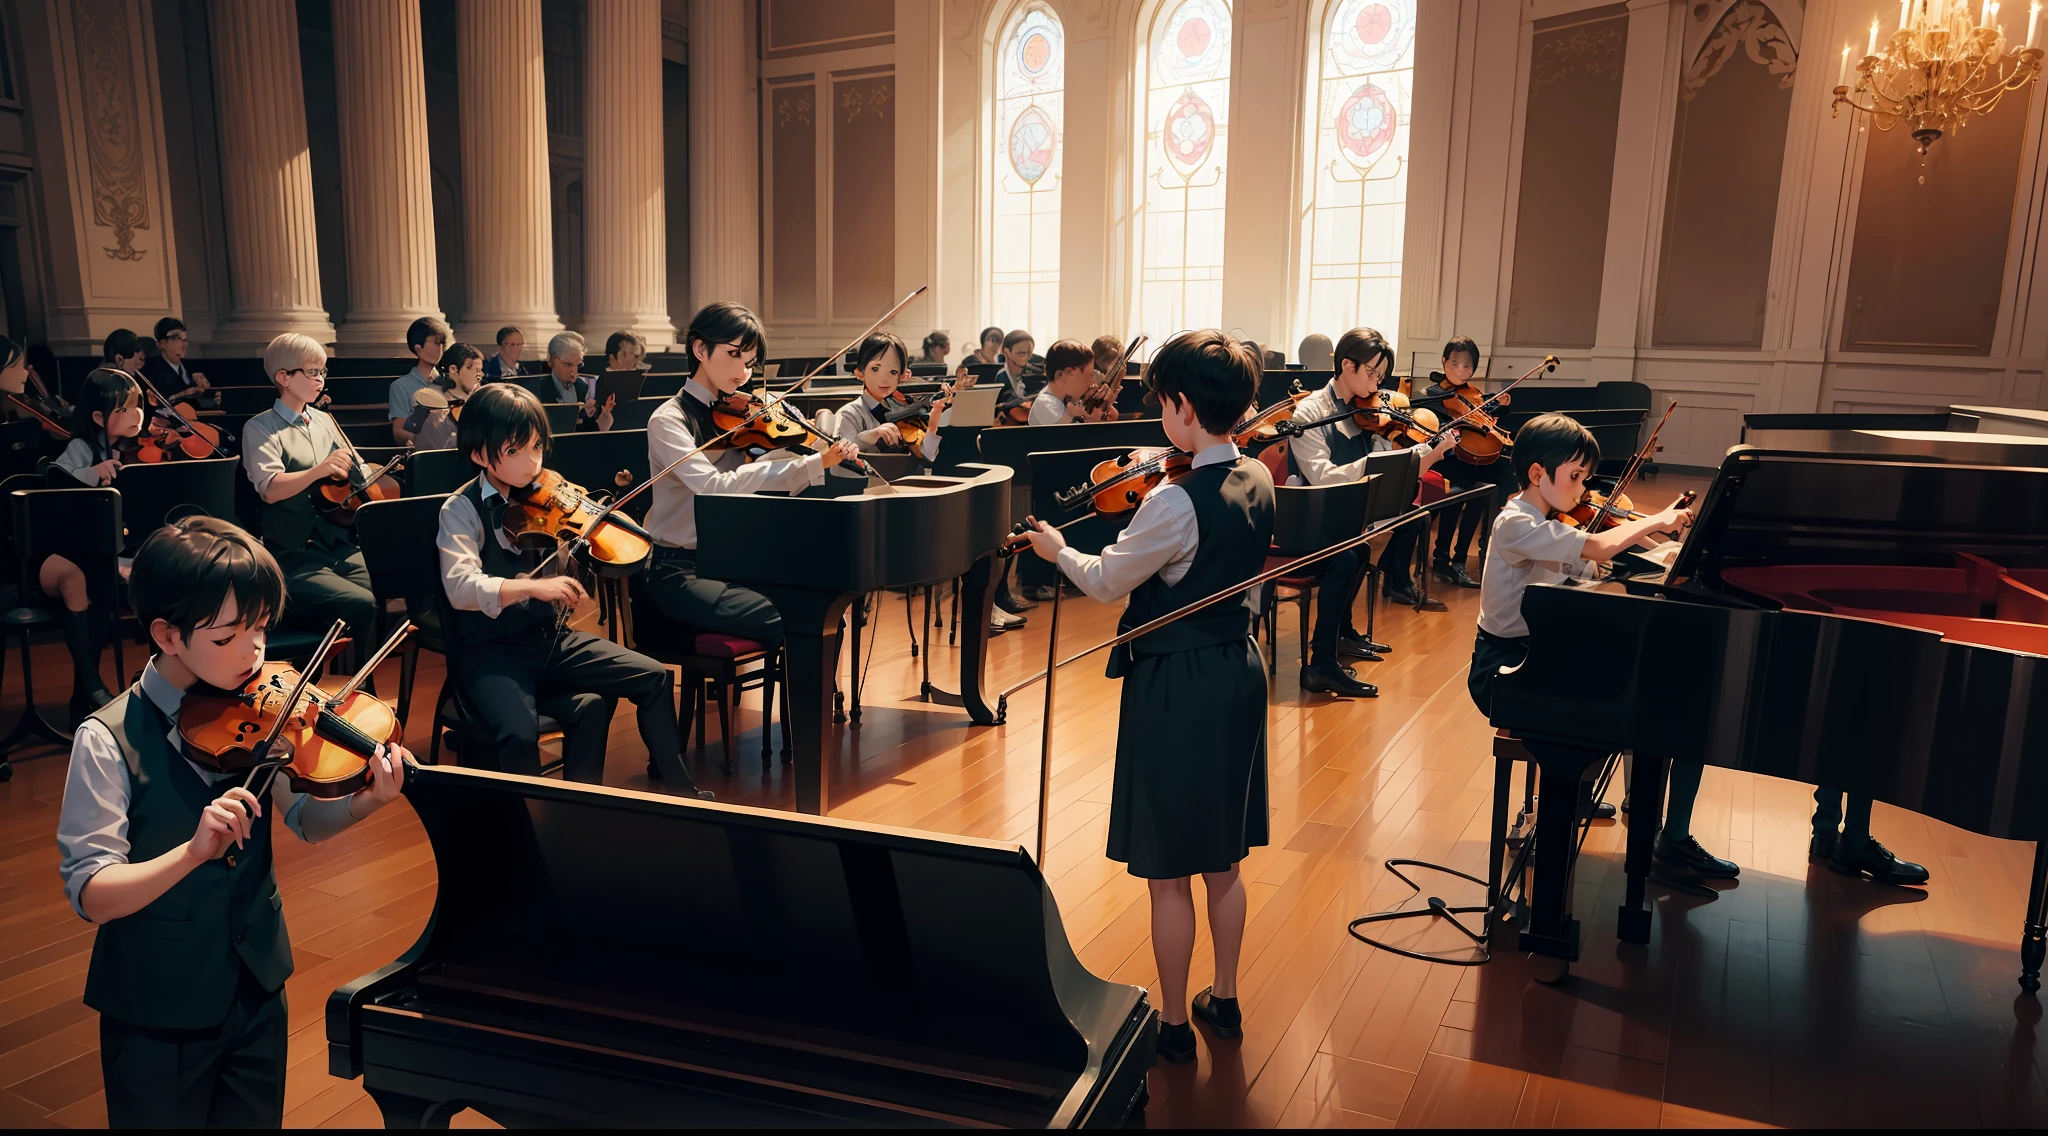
[[1939, 69], [1842, 76]]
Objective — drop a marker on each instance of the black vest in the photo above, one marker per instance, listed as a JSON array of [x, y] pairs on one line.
[[698, 415], [293, 523], [523, 621], [176, 963], [1343, 450], [1234, 526]]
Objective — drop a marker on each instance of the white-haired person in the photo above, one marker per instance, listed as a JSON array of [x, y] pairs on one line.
[[288, 450], [562, 382]]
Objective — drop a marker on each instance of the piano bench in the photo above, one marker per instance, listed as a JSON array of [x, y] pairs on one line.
[[1507, 746]]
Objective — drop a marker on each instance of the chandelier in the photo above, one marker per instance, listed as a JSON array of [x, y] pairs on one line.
[[1938, 68]]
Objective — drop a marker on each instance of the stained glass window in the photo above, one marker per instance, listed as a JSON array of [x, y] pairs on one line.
[[1352, 233], [1024, 255], [1184, 153]]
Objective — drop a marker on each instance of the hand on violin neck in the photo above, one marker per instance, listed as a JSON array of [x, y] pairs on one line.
[[840, 451]]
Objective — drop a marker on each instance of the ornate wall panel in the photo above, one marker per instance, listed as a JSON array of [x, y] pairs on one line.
[[792, 179], [863, 194]]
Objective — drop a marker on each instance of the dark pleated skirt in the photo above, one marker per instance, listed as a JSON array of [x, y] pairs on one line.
[[1190, 792]]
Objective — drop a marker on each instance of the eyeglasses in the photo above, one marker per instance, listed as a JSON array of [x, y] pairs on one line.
[[311, 372], [175, 338]]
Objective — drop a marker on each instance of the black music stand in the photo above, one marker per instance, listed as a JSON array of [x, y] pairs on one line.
[[160, 493], [1306, 519], [82, 525], [1014, 446]]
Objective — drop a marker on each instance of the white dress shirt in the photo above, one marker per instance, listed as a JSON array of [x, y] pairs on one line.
[[862, 414], [1049, 409], [1311, 451], [1526, 548], [1160, 541], [460, 543], [673, 517], [92, 824], [263, 449]]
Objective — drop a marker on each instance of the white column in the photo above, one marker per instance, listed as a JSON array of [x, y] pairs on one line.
[[266, 177], [1647, 94], [386, 187], [725, 217], [625, 226], [507, 230]]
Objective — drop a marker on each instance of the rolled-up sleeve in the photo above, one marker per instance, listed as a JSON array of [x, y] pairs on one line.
[[1162, 532], [460, 543], [262, 452], [92, 823]]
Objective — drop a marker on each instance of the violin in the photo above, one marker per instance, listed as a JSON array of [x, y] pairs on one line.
[[750, 422], [278, 720], [435, 399], [1013, 412], [1273, 424], [48, 422], [340, 497], [1481, 440], [177, 435], [1602, 511], [552, 510], [1386, 413], [1119, 484], [913, 416]]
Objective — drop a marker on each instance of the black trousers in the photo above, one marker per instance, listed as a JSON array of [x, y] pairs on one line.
[[1490, 653], [1337, 580], [323, 584], [231, 1076], [1466, 518], [709, 605], [1828, 813], [579, 683], [1397, 559]]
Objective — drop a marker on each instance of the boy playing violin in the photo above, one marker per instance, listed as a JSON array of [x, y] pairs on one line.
[[1190, 783], [1072, 370], [173, 861], [723, 340], [1332, 453], [288, 451], [879, 362], [512, 662], [1553, 455], [1460, 360]]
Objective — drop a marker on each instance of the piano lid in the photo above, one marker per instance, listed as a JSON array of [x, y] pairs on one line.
[[1776, 507]]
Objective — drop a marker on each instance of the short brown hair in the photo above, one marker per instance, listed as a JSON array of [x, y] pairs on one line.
[[1108, 349], [1065, 354], [185, 572], [1217, 374]]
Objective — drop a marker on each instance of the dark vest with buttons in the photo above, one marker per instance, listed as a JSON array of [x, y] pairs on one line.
[[293, 523], [1234, 522], [524, 622], [176, 963], [698, 416], [1343, 450]]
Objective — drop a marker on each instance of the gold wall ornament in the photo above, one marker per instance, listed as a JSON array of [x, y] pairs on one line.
[[1750, 28], [113, 138], [1939, 67]]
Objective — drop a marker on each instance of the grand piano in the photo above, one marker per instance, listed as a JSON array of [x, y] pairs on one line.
[[812, 555], [1875, 621], [601, 957]]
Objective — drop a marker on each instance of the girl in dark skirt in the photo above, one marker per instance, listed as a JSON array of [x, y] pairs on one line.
[[1190, 794]]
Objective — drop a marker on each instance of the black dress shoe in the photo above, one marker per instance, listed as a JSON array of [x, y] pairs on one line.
[[1357, 647], [688, 790], [1177, 1043], [1038, 592], [1867, 857], [1453, 574], [1221, 1015], [1324, 679], [1013, 603], [1406, 597], [1686, 858], [1822, 846], [1598, 810]]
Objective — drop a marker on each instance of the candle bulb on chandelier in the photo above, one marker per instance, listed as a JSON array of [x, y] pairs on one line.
[[2033, 16], [1873, 39], [1905, 8], [1842, 77]]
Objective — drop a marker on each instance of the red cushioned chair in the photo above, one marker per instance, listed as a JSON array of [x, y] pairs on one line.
[[712, 665]]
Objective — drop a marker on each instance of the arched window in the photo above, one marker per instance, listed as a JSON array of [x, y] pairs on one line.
[[1024, 175], [1358, 177], [1183, 152]]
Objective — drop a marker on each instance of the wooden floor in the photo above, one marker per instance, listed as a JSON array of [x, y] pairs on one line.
[[1795, 998]]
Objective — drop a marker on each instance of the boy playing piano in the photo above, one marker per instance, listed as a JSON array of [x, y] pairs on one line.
[[174, 862], [513, 665], [1190, 782], [1553, 455]]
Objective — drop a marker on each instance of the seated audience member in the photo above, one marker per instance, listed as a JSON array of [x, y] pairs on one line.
[[505, 364], [427, 338], [562, 384], [123, 350], [1316, 353], [168, 373], [937, 346]]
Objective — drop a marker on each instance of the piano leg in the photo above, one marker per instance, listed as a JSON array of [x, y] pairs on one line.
[[812, 626], [2035, 944], [979, 589], [1647, 775], [401, 1111], [1552, 930]]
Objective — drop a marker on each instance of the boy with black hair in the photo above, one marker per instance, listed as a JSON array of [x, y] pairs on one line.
[[174, 861], [1016, 360], [512, 664], [1460, 361], [1553, 454], [1189, 795], [506, 363], [287, 451], [427, 338], [1331, 454], [123, 350], [1070, 368], [724, 339], [168, 373]]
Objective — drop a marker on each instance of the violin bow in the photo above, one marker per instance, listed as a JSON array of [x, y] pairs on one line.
[[44, 418], [1549, 363], [170, 408], [325, 700], [1054, 664], [1635, 464], [798, 386]]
